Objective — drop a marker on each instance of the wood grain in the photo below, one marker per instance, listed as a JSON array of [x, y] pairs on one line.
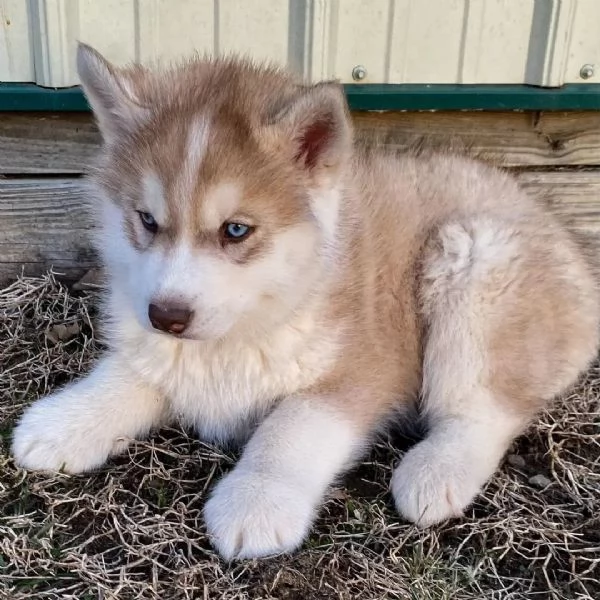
[[66, 143], [572, 194], [47, 143], [509, 139], [42, 221], [42, 225]]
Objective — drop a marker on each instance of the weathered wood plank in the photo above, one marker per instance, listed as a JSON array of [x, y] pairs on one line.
[[47, 143], [66, 143], [572, 194], [42, 225], [510, 139], [42, 221]]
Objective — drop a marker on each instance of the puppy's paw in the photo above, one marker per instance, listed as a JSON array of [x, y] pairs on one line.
[[431, 485], [55, 434], [249, 515]]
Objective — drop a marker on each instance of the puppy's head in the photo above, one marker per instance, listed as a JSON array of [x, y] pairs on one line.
[[217, 195]]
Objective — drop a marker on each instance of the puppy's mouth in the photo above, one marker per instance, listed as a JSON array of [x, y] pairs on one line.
[[184, 335]]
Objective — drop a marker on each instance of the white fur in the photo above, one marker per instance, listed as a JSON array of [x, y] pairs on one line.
[[153, 197], [197, 143], [220, 204], [110, 238], [469, 430], [267, 504], [79, 427], [325, 205], [223, 387]]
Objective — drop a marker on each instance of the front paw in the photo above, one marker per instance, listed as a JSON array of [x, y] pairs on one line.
[[55, 434], [431, 484], [250, 515]]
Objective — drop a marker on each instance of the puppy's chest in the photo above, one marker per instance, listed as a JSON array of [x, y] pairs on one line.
[[222, 391]]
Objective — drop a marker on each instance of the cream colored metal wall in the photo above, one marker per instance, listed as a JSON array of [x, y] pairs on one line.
[[540, 42], [16, 58]]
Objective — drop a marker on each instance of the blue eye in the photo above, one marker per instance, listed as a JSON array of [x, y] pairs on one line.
[[236, 232], [148, 221]]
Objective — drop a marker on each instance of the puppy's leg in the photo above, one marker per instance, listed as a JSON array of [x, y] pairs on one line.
[[439, 477], [506, 332], [80, 426], [267, 504]]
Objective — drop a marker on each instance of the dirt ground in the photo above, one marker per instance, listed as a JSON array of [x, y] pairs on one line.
[[134, 528]]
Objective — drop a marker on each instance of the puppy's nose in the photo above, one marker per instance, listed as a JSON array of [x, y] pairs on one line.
[[169, 318]]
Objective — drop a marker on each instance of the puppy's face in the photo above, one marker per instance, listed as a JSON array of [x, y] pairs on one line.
[[217, 211]]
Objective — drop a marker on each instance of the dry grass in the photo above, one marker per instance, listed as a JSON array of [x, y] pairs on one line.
[[134, 529]]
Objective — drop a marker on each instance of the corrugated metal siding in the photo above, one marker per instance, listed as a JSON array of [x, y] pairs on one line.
[[539, 42], [16, 59], [584, 43]]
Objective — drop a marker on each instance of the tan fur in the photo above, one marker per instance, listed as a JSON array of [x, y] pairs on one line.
[[427, 274]]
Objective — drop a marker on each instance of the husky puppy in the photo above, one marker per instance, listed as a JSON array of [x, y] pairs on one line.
[[270, 282]]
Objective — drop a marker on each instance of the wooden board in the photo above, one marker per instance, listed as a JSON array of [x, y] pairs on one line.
[[42, 221], [66, 143], [47, 143], [572, 194], [510, 139], [43, 225]]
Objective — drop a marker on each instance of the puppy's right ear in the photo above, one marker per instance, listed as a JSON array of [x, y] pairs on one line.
[[313, 130], [110, 92]]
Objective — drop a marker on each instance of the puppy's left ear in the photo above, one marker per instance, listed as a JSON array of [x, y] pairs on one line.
[[110, 92], [313, 130]]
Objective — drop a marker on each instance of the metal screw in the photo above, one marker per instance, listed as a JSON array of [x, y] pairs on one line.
[[359, 73], [586, 71]]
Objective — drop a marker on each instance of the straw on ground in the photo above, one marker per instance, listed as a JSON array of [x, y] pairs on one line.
[[134, 529]]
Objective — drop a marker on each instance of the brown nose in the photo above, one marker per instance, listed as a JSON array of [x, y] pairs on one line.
[[171, 319]]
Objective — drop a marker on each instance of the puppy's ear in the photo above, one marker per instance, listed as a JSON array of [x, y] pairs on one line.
[[110, 92], [313, 129]]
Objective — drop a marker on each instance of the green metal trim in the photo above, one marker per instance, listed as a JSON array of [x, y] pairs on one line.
[[31, 97], [574, 96]]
